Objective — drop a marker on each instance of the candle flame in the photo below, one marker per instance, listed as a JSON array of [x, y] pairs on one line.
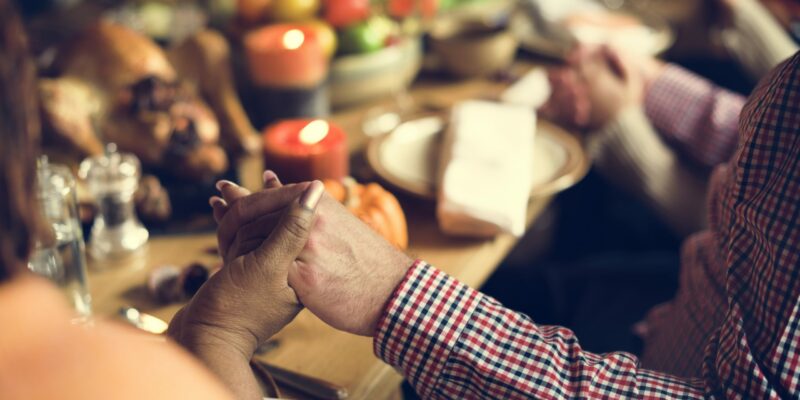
[[314, 132], [293, 39]]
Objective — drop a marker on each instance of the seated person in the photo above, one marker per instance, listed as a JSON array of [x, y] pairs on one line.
[[292, 245], [451, 341], [43, 355], [677, 127]]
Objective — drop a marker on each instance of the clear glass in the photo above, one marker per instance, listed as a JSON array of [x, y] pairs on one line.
[[59, 253], [384, 119], [112, 179]]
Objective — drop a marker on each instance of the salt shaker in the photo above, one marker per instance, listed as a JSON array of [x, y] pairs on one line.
[[112, 179]]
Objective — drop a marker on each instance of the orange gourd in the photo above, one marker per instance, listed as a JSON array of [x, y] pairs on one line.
[[375, 206]]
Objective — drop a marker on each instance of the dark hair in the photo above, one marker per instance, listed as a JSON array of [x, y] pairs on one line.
[[19, 136]]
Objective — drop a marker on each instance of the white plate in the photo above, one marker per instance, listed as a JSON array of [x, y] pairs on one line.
[[408, 158]]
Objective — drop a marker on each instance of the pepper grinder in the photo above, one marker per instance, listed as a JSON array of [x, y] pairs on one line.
[[112, 179]]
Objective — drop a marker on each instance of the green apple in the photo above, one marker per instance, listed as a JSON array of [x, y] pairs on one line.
[[366, 36]]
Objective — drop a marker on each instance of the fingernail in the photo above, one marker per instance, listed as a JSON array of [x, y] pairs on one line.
[[214, 200], [312, 195], [269, 175], [221, 184]]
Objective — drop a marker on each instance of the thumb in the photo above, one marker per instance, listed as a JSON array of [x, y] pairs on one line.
[[289, 238]]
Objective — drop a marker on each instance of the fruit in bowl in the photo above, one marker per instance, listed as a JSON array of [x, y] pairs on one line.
[[367, 36], [325, 35], [356, 78], [293, 10], [341, 13]]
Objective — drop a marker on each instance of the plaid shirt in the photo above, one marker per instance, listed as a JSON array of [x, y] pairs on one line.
[[454, 342], [699, 119]]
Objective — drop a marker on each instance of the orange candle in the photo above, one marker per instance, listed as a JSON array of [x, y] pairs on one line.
[[301, 150], [285, 55]]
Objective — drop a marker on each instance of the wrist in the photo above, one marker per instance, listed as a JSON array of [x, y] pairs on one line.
[[211, 340], [388, 295], [224, 354]]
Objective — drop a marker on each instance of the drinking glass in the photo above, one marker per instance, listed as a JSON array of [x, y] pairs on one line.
[[413, 21], [59, 252]]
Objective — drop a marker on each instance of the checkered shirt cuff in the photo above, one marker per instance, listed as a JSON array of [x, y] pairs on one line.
[[423, 322]]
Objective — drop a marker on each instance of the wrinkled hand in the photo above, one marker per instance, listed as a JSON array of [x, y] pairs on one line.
[[346, 272], [249, 299], [246, 219]]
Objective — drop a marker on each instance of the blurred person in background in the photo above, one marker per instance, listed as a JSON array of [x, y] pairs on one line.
[[657, 131], [687, 124]]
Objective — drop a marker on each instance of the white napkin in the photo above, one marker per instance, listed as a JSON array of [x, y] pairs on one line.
[[532, 90], [485, 169]]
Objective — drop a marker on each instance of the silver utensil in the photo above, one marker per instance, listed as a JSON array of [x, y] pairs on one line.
[[316, 388], [143, 321]]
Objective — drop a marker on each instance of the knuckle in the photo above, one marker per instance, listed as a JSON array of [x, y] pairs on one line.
[[296, 225], [238, 211]]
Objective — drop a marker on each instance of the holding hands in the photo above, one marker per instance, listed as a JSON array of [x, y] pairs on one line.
[[285, 247], [345, 272], [595, 85], [249, 299]]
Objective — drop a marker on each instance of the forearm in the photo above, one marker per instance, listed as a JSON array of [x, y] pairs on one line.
[[224, 353], [756, 39], [696, 117], [630, 153], [233, 369], [453, 342]]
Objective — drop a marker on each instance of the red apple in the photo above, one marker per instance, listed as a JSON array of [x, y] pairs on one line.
[[404, 8], [341, 13]]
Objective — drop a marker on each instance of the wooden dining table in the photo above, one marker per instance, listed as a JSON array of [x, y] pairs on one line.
[[307, 345]]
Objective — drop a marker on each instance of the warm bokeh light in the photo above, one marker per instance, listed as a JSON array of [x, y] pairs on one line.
[[314, 132], [293, 39]]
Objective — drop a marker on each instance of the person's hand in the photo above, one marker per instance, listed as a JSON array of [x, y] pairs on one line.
[[249, 299], [346, 273], [244, 224], [569, 102], [596, 85], [613, 83]]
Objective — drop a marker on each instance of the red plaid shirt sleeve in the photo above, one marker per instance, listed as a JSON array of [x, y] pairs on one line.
[[698, 118], [452, 342]]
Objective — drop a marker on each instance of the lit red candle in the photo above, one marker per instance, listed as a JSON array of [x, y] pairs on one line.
[[285, 55], [301, 150]]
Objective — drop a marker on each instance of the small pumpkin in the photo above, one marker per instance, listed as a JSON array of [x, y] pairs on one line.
[[375, 206]]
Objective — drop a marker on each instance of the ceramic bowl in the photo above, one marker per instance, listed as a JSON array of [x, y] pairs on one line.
[[362, 77], [469, 47]]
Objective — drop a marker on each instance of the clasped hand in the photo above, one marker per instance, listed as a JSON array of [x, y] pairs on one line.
[[284, 247]]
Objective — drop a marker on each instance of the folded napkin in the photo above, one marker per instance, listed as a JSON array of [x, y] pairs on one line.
[[532, 90], [485, 169]]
